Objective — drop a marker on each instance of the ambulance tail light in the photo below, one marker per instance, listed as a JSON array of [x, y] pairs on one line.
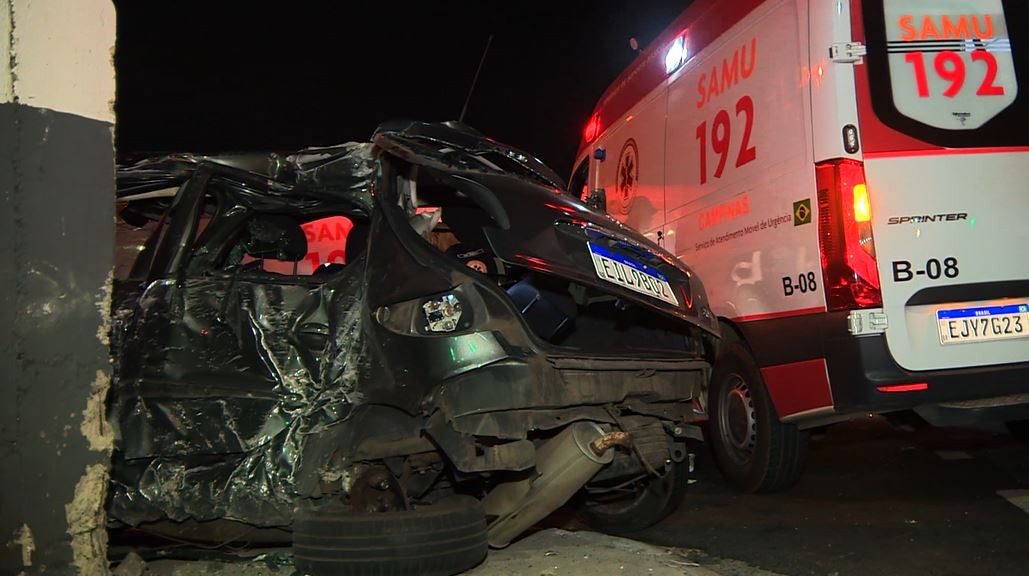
[[849, 271]]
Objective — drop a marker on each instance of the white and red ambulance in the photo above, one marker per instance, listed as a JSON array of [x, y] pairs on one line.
[[850, 178]]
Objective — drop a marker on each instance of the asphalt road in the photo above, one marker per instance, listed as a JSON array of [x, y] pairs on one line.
[[874, 499]]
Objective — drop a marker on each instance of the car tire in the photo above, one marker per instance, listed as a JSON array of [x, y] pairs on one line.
[[653, 502], [436, 540], [755, 451]]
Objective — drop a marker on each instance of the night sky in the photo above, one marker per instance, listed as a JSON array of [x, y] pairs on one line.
[[228, 76]]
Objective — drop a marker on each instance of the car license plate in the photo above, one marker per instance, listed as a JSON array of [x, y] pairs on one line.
[[627, 273], [983, 323]]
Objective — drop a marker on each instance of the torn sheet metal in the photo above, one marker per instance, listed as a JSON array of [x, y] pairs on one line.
[[341, 173], [281, 365]]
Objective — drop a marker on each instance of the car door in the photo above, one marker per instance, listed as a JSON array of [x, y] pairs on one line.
[[221, 351]]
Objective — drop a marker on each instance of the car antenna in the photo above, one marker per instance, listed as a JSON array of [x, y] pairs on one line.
[[475, 79]]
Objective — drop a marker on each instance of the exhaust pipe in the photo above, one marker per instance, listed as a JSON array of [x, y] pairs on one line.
[[563, 465]]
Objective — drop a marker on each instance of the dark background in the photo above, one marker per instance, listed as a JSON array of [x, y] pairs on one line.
[[214, 76]]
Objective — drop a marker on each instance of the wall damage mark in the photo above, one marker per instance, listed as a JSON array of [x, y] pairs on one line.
[[8, 57], [94, 425], [113, 100], [27, 543], [87, 522], [103, 308], [94, 418], [87, 518]]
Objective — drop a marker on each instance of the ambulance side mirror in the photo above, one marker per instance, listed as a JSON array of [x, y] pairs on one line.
[[597, 199]]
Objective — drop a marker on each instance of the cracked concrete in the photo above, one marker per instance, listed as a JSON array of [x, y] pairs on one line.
[[27, 543], [87, 522], [94, 426]]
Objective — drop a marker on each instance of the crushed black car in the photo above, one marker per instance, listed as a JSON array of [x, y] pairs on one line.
[[399, 350]]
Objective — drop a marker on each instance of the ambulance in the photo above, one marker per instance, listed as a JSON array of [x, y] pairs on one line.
[[850, 178]]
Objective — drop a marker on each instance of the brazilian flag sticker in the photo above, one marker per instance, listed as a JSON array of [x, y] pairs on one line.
[[802, 212]]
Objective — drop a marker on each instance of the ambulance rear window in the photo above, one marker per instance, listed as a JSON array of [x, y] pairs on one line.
[[952, 73]]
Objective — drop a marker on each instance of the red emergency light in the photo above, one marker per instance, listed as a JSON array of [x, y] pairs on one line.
[[592, 129]]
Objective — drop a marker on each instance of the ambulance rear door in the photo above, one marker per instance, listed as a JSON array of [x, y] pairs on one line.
[[944, 121]]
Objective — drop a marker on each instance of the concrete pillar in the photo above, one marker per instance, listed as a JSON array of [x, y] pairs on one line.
[[56, 256]]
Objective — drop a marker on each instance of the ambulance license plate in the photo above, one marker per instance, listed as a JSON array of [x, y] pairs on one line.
[[627, 273], [983, 323]]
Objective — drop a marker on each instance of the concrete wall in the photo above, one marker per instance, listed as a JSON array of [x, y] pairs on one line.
[[56, 256]]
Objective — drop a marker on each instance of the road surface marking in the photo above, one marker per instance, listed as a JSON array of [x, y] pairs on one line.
[[1019, 498]]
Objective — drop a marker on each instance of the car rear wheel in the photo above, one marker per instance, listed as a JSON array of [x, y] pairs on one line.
[[652, 501], [755, 451], [436, 540]]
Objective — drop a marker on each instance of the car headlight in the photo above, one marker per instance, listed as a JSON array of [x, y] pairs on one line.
[[442, 314]]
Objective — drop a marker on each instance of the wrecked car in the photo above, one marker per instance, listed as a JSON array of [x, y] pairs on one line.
[[402, 351]]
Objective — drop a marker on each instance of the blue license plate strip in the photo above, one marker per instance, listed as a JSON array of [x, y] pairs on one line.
[[620, 269]]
